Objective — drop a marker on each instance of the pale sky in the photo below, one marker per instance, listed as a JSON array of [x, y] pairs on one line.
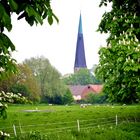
[[58, 41]]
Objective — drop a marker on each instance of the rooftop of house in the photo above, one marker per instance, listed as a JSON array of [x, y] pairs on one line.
[[79, 89]]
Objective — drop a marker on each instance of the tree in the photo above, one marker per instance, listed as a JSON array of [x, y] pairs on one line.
[[124, 15], [27, 79], [81, 77], [119, 65], [67, 97], [22, 82], [33, 11], [48, 78]]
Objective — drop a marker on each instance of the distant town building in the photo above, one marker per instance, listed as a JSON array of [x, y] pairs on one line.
[[81, 91]]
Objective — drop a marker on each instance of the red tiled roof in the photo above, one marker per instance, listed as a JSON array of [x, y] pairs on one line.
[[80, 89], [97, 88], [77, 89]]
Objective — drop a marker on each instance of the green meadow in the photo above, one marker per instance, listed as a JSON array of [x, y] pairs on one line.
[[95, 122]]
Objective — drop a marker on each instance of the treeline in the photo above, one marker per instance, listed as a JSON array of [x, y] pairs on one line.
[[39, 81], [82, 77]]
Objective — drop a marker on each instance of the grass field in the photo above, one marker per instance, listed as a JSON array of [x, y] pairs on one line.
[[72, 122]]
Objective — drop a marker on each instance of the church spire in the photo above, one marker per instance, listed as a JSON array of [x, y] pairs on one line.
[[80, 59]]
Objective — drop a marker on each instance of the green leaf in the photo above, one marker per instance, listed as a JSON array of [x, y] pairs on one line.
[[50, 20], [31, 12], [5, 18], [55, 17], [13, 5], [6, 42]]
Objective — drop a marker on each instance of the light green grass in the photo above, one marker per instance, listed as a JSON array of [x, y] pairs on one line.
[[52, 118]]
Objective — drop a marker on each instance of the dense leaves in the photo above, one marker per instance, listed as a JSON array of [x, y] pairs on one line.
[[123, 15], [22, 82], [119, 68], [9, 98], [81, 77], [95, 98], [119, 65], [67, 97], [33, 11], [52, 89]]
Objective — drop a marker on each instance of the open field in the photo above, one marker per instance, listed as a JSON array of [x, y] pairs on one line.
[[92, 122]]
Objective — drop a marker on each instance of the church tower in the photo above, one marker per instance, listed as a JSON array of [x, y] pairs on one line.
[[80, 59]]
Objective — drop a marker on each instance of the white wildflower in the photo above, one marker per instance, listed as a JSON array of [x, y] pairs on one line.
[[1, 104], [136, 39], [1, 69], [134, 15], [114, 18], [123, 41], [19, 94], [1, 133], [126, 35], [119, 41]]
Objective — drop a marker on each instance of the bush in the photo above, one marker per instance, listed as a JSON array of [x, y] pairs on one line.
[[95, 98], [67, 97]]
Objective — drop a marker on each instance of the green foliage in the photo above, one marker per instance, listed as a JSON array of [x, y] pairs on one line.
[[122, 16], [9, 98], [22, 82], [18, 88], [52, 89], [94, 98], [81, 77], [34, 12], [67, 97], [118, 62], [27, 78], [120, 59], [7, 64]]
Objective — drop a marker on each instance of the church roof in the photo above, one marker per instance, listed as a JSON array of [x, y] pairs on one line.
[[80, 59]]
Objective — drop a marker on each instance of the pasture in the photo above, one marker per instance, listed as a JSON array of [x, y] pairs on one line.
[[105, 122]]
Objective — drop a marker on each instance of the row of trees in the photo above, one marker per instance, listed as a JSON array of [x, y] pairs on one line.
[[38, 80]]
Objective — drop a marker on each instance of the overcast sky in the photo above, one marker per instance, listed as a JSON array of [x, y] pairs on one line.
[[58, 42]]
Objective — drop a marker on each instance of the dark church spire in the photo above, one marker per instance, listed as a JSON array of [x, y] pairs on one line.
[[80, 60]]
